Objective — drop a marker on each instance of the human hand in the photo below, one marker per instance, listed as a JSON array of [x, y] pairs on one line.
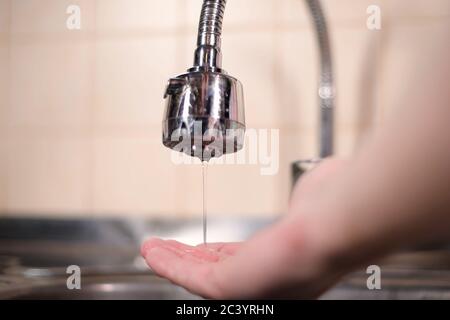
[[285, 260]]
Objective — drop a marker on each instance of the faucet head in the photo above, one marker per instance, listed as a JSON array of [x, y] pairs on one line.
[[204, 115]]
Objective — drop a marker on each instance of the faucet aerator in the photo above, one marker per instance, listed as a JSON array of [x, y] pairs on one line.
[[204, 115]]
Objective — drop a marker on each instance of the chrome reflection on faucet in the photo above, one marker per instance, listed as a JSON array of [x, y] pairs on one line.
[[204, 115]]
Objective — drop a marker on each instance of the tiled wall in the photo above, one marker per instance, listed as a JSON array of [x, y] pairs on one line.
[[80, 111]]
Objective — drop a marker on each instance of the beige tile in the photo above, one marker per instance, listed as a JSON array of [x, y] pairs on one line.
[[296, 80], [356, 53], [4, 38], [297, 144], [188, 44], [248, 13], [51, 84], [4, 100], [251, 12], [130, 79], [294, 12], [135, 176], [190, 13], [356, 60], [5, 7], [232, 190], [48, 16], [349, 12], [416, 9], [188, 189], [253, 63], [125, 15], [411, 51], [241, 189], [4, 83], [257, 14], [347, 140], [4, 60], [48, 176], [4, 97], [3, 176]]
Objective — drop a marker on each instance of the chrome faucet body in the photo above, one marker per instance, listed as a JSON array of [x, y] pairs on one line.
[[204, 114]]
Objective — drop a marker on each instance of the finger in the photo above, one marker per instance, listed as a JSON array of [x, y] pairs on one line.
[[150, 244]]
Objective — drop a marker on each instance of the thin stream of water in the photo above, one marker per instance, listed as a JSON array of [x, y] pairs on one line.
[[205, 213]]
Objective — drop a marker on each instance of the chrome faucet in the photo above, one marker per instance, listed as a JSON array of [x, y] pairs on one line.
[[204, 115]]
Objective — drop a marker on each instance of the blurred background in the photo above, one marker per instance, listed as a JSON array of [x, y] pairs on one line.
[[84, 177], [81, 110]]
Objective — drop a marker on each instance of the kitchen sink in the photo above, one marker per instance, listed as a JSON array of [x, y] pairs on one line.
[[35, 254], [397, 284], [99, 287]]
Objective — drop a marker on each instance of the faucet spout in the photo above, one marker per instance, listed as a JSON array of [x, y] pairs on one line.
[[204, 114]]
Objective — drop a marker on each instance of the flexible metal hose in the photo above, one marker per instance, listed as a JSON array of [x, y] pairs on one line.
[[326, 86], [211, 19], [208, 55]]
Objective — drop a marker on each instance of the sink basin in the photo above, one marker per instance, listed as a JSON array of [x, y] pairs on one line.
[[34, 255], [99, 287], [397, 284]]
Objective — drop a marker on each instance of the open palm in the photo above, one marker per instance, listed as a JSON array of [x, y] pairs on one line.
[[287, 259], [269, 265], [192, 267]]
